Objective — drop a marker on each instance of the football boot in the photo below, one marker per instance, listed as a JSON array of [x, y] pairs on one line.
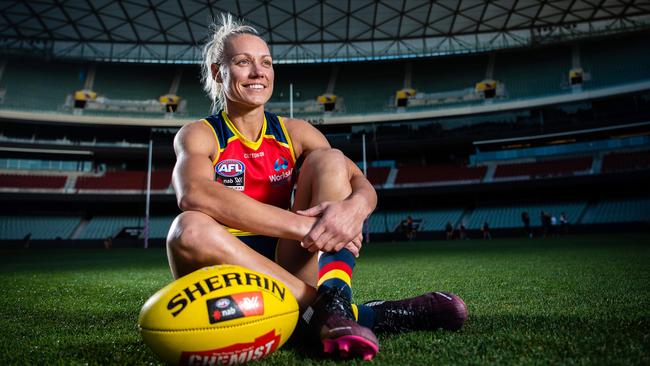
[[431, 311], [330, 317]]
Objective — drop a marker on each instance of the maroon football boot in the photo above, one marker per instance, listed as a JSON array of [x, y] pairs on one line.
[[330, 317], [434, 310]]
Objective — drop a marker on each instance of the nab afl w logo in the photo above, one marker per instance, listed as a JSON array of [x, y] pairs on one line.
[[230, 173]]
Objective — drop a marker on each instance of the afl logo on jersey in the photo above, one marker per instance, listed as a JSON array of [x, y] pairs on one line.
[[230, 168]]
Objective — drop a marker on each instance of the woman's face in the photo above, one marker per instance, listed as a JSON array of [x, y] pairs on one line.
[[247, 73]]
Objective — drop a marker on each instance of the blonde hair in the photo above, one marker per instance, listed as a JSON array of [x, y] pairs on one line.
[[213, 54]]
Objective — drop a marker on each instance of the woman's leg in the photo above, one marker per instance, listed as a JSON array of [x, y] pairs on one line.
[[196, 240], [322, 178]]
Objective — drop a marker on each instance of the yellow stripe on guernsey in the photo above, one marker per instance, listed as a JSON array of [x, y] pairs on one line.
[[336, 273], [244, 140], [256, 144], [286, 135], [214, 133], [237, 232]]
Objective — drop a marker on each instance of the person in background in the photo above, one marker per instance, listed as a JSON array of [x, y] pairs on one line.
[[564, 224], [449, 231], [409, 229], [554, 226], [525, 218], [462, 231], [486, 231]]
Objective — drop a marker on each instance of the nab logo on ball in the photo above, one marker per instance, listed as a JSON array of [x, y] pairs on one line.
[[230, 173], [235, 306]]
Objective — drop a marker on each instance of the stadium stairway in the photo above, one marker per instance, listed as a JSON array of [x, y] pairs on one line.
[[81, 227], [597, 163], [390, 181], [589, 207], [467, 213], [70, 183], [489, 173]]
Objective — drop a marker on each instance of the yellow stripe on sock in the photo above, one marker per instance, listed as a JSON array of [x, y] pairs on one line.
[[355, 310], [335, 273]]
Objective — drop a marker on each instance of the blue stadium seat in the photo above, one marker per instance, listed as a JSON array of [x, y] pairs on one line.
[[101, 227], [618, 210], [509, 216], [39, 227], [432, 220]]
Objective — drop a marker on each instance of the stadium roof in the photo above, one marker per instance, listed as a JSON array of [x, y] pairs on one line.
[[306, 30]]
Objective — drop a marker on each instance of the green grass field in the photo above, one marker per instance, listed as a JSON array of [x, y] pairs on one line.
[[575, 300]]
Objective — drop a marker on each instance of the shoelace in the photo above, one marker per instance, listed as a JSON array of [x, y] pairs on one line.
[[335, 303]]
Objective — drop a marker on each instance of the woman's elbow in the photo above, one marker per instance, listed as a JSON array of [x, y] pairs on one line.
[[189, 199]]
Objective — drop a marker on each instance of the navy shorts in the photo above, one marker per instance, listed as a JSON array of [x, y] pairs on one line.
[[265, 245]]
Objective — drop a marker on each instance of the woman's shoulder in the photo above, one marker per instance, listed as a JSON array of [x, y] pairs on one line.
[[303, 135], [295, 125], [195, 134]]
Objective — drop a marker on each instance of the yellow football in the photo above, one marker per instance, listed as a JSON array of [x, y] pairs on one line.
[[218, 315]]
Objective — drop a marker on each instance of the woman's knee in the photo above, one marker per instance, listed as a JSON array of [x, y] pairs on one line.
[[195, 240], [190, 232], [319, 157], [325, 162], [185, 229]]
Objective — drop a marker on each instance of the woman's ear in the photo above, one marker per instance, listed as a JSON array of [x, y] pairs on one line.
[[216, 73]]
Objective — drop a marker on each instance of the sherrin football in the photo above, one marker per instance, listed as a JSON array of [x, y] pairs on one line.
[[218, 315]]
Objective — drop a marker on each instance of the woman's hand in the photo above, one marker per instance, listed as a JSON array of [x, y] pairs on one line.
[[339, 226]]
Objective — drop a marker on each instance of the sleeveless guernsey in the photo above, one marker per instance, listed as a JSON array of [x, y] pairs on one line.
[[262, 169]]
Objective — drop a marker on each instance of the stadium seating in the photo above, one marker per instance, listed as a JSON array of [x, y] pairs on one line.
[[369, 87], [39, 227], [533, 72], [101, 227], [616, 61], [448, 73], [509, 216], [134, 82], [409, 174], [159, 226], [39, 86], [618, 210], [191, 90], [34, 85], [544, 169], [126, 180], [432, 220], [309, 81], [32, 181], [622, 161]]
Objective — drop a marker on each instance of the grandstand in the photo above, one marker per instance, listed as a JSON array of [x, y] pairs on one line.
[[452, 152], [363, 88], [45, 227]]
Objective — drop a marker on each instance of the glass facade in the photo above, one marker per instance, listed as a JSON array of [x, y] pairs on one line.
[[33, 164]]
